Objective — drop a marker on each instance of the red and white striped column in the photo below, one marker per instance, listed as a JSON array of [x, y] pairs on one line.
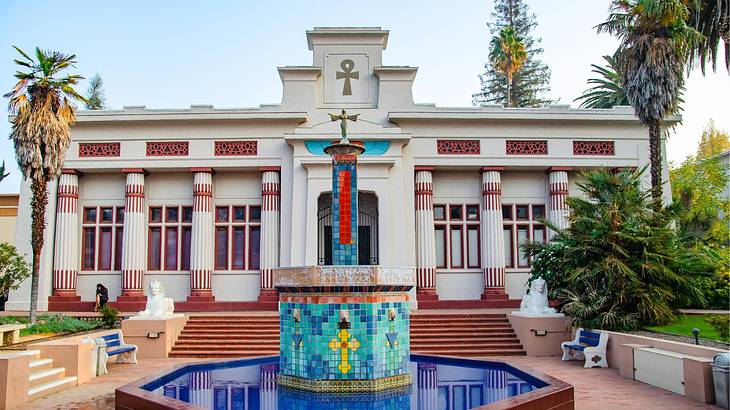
[[558, 187], [268, 398], [497, 387], [134, 242], [201, 241], [492, 234], [425, 235], [66, 250], [427, 383], [270, 211]]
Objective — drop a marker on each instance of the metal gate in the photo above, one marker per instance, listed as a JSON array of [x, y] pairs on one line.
[[367, 233]]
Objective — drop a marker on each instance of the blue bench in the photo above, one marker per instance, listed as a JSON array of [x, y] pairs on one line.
[[114, 346], [589, 346]]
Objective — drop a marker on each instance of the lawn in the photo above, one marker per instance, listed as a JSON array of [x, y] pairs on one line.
[[684, 325]]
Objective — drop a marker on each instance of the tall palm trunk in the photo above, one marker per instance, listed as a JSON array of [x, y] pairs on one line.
[[655, 159], [509, 92], [38, 205]]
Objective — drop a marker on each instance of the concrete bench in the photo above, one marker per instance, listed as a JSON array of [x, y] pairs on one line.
[[588, 346], [10, 334], [115, 346]]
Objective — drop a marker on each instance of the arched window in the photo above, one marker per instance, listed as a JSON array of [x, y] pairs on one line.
[[367, 234]]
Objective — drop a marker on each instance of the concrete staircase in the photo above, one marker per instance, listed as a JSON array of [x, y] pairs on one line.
[[44, 379], [455, 334]]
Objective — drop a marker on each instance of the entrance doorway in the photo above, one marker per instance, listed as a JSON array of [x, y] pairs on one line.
[[367, 232]]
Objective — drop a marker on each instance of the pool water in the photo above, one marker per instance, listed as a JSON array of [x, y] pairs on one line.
[[438, 384]]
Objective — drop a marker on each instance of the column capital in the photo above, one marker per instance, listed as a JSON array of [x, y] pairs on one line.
[[485, 169], [202, 169], [271, 169], [424, 168], [71, 171], [555, 169], [135, 171]]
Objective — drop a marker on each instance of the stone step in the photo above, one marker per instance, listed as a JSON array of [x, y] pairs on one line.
[[252, 353], [457, 332], [462, 341], [457, 316], [472, 352], [40, 364], [227, 339], [39, 377], [51, 387], [488, 346]]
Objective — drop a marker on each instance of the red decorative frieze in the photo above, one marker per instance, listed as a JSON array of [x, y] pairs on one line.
[[458, 147], [167, 149], [99, 149], [593, 148], [235, 148], [526, 147]]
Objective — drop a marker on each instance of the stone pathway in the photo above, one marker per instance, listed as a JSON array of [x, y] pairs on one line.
[[600, 389]]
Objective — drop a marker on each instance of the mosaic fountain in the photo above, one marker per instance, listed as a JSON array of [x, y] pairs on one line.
[[345, 327]]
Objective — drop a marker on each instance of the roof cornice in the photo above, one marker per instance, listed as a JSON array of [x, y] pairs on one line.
[[195, 112]]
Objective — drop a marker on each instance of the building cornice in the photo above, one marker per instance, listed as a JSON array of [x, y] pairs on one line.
[[195, 112]]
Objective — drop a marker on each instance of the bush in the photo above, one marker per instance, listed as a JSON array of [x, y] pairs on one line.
[[51, 324], [13, 268], [721, 323], [109, 316], [715, 289]]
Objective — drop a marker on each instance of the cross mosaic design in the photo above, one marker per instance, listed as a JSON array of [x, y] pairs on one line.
[[347, 73], [343, 342]]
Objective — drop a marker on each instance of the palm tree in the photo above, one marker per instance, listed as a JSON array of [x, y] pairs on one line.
[[41, 102], [655, 44], [507, 55], [712, 19], [607, 89]]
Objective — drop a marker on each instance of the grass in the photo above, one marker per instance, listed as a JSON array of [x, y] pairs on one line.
[[51, 324], [684, 325]]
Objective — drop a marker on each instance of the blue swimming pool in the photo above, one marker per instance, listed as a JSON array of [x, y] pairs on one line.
[[438, 383]]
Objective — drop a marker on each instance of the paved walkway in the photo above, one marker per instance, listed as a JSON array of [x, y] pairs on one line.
[[600, 389]]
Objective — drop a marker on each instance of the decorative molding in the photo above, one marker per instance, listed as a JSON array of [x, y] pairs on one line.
[[236, 148], [372, 148], [167, 149], [99, 149], [594, 148], [343, 276], [526, 147], [458, 147]]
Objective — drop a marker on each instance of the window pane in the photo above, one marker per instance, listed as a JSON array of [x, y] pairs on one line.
[[522, 212], [221, 248], [507, 212], [456, 249], [239, 213], [187, 214], [472, 212], [185, 248], [105, 248], [538, 211], [90, 215], [538, 233], [439, 212], [254, 247], [155, 214], [120, 214], [118, 248], [440, 246], [89, 248], [522, 238], [221, 214], [170, 248], [155, 248], [172, 214], [255, 213], [107, 215], [455, 212], [239, 247], [473, 246], [508, 247]]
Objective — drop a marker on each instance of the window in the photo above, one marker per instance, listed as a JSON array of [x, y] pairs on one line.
[[457, 239], [521, 225], [237, 237], [170, 235], [102, 231]]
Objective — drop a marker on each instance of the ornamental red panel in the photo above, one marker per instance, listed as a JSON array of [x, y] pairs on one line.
[[593, 148], [236, 148], [527, 147], [167, 149], [458, 147], [99, 149]]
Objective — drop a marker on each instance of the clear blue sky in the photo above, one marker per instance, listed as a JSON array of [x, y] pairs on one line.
[[175, 53]]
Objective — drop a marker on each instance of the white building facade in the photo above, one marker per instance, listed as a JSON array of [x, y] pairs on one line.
[[208, 200]]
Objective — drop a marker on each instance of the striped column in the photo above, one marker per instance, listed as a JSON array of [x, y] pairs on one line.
[[134, 242], [558, 187], [270, 210], [492, 234], [201, 389], [427, 379], [201, 241], [268, 398], [497, 389], [66, 252], [425, 235]]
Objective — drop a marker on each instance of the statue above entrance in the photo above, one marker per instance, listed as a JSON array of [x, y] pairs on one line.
[[343, 123]]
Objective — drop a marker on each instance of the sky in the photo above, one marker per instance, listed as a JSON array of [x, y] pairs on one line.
[[171, 54]]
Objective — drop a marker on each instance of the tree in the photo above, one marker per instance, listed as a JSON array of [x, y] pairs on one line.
[[655, 43], [713, 141], [507, 55], [95, 94], [607, 89], [712, 19], [13, 269], [3, 174], [528, 86], [41, 103]]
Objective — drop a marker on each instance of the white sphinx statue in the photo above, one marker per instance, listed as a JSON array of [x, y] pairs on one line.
[[158, 306], [535, 303]]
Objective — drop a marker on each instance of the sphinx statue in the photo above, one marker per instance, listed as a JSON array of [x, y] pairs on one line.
[[536, 301], [158, 306]]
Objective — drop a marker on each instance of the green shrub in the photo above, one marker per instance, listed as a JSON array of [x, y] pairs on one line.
[[109, 316], [715, 289], [13, 268], [59, 324], [721, 323]]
